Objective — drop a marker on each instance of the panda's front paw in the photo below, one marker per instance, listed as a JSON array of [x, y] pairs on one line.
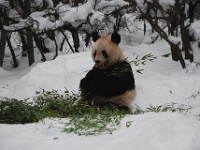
[[94, 73]]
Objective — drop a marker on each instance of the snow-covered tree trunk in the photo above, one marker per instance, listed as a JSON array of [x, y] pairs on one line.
[[15, 62], [185, 37], [2, 42], [174, 14]]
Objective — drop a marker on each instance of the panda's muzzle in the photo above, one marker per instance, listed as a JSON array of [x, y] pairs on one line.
[[97, 61], [99, 65]]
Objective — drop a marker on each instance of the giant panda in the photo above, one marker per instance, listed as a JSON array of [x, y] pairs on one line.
[[111, 80]]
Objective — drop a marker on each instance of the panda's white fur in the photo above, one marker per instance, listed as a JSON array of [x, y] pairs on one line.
[[113, 55]]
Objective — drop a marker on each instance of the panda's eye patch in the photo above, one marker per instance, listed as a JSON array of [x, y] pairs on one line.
[[94, 53], [105, 54]]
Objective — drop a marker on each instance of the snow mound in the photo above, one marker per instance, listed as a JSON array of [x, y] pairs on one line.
[[2, 71], [63, 72], [153, 131]]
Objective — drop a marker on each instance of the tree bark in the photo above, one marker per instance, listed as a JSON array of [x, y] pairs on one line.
[[39, 44], [75, 37], [15, 63], [185, 34]]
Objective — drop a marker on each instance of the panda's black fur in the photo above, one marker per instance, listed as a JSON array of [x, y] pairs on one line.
[[111, 82], [102, 86]]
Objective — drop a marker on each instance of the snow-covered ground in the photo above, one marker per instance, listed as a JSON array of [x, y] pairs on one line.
[[162, 81]]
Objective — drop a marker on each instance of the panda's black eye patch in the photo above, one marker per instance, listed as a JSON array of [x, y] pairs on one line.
[[105, 54], [94, 54]]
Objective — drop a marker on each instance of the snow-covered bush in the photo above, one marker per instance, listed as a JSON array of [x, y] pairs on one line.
[[55, 25]]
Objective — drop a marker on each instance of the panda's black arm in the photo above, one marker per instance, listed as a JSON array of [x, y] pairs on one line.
[[109, 85], [114, 85], [87, 83]]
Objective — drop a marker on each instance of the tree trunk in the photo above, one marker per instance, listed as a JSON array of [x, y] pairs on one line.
[[87, 39], [75, 37], [192, 6], [15, 63], [185, 34], [39, 44], [175, 50], [24, 44], [65, 37], [176, 54], [3, 42], [29, 35]]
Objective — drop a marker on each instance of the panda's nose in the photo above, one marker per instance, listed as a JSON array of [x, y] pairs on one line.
[[97, 61]]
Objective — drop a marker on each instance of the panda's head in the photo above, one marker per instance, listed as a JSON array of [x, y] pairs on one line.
[[106, 50]]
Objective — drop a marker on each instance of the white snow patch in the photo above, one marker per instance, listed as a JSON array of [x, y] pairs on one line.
[[151, 131]]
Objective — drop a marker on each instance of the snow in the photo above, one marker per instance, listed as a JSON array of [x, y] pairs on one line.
[[175, 40], [162, 81], [166, 4], [78, 13], [195, 29], [111, 5], [151, 131], [75, 16], [96, 16], [169, 2], [159, 81]]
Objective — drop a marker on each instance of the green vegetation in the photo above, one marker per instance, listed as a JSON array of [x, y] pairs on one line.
[[142, 61], [168, 107], [96, 121], [81, 119], [46, 104]]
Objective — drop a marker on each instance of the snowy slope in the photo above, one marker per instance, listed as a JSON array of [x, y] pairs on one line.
[[162, 81], [163, 131]]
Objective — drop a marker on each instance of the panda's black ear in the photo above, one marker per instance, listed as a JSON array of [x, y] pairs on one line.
[[116, 38], [95, 36]]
